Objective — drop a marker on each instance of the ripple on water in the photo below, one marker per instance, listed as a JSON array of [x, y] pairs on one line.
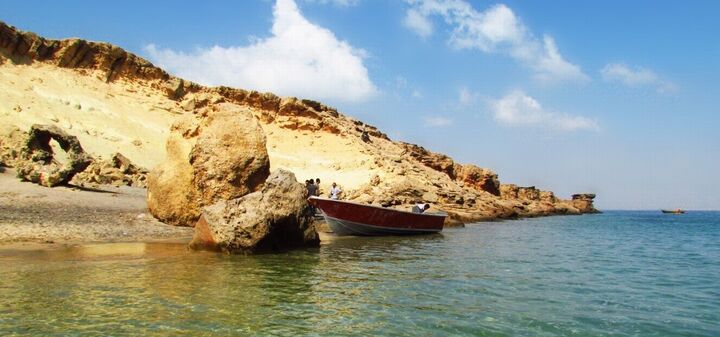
[[620, 273]]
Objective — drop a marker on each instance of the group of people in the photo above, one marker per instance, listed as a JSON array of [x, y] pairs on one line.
[[313, 189]]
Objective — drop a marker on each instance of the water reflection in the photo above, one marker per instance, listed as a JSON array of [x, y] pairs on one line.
[[123, 287]]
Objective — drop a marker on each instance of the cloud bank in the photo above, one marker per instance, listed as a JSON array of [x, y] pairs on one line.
[[494, 30], [298, 59], [636, 77], [518, 109]]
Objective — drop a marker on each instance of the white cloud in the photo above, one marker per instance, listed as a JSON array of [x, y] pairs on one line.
[[519, 109], [416, 94], [418, 23], [551, 66], [637, 77], [436, 121], [299, 59], [494, 30]]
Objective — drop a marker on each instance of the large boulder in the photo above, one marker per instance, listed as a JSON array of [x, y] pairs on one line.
[[38, 162], [274, 218], [217, 153]]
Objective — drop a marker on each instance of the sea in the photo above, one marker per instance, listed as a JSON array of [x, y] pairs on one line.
[[619, 273]]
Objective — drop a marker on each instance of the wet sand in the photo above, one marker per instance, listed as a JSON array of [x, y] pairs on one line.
[[30, 213]]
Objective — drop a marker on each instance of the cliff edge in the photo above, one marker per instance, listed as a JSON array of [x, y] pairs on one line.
[[116, 102]]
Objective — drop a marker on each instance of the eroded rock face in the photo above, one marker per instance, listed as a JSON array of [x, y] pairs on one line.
[[436, 161], [37, 162], [274, 218], [11, 142], [218, 153], [509, 191], [584, 202], [548, 196], [478, 178], [76, 53], [529, 193]]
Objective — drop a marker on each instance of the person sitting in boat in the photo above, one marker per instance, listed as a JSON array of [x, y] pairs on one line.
[[335, 192], [420, 207]]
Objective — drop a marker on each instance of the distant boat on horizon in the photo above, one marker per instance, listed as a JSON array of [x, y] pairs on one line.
[[673, 211]]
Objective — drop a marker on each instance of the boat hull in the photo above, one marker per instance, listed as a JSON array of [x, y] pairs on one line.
[[348, 218], [673, 211]]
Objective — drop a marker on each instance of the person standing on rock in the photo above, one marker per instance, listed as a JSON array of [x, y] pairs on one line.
[[317, 184], [335, 192]]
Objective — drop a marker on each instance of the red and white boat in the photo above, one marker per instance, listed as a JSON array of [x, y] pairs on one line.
[[351, 218]]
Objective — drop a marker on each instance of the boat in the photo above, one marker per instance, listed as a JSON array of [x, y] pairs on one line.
[[673, 211], [351, 218]]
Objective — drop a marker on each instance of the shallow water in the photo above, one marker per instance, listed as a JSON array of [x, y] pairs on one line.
[[617, 273]]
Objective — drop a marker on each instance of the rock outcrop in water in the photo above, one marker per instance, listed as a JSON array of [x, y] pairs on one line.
[[274, 218], [217, 153], [584, 202], [370, 166]]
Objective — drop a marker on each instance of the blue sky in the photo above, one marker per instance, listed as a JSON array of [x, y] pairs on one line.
[[612, 97]]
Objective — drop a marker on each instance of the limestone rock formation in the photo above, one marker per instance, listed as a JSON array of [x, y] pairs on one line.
[[38, 162], [23, 47], [584, 202], [478, 178], [436, 161], [117, 171], [218, 153], [11, 142], [548, 196], [303, 136], [274, 218], [529, 193], [509, 191]]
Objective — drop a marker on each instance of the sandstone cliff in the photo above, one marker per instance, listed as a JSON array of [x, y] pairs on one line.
[[114, 101]]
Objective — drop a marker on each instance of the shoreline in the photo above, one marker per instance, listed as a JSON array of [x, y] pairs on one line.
[[33, 216], [31, 213]]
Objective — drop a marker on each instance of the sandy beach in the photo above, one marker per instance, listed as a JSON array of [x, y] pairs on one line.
[[32, 213]]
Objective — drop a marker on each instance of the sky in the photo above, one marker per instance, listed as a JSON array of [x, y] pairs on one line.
[[617, 98]]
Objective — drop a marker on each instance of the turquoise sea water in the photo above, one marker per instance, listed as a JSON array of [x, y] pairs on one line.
[[617, 273]]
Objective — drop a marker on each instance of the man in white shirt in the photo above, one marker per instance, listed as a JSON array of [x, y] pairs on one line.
[[420, 207], [335, 192]]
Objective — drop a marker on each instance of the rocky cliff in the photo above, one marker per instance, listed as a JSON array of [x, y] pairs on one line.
[[114, 101]]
